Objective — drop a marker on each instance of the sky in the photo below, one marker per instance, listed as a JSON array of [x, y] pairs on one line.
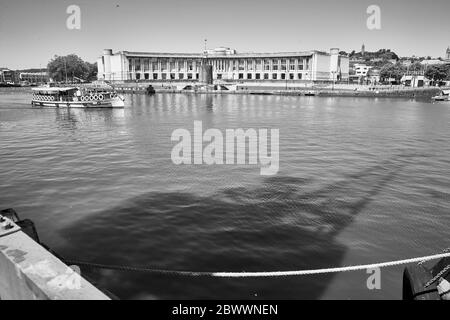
[[32, 32]]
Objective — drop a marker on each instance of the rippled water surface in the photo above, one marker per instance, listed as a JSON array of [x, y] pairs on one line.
[[360, 181]]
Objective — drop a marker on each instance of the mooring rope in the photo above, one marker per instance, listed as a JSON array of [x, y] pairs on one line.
[[260, 274]]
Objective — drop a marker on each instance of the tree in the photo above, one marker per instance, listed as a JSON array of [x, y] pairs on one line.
[[67, 67], [92, 74], [395, 71], [416, 66], [438, 72]]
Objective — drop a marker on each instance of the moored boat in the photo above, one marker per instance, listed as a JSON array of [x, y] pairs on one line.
[[443, 96], [76, 97]]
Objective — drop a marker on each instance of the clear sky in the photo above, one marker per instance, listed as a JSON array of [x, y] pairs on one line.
[[32, 32]]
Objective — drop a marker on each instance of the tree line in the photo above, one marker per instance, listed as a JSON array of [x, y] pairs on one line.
[[71, 67], [439, 72]]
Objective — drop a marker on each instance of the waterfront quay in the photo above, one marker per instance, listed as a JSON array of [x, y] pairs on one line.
[[224, 70], [324, 89]]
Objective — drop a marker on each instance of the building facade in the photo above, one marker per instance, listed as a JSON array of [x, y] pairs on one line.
[[361, 70], [7, 76], [227, 65], [34, 77]]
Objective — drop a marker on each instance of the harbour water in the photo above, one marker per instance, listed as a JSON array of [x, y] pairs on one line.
[[360, 181]]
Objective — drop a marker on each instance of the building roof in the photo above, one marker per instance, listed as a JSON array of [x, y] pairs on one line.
[[374, 72], [433, 61], [234, 55]]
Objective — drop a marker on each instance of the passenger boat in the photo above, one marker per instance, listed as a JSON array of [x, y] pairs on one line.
[[443, 96], [76, 97]]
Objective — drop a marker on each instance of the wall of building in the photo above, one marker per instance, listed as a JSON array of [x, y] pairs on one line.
[[227, 66]]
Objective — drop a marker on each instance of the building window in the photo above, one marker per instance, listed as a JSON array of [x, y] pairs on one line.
[[138, 76], [164, 76], [219, 76], [137, 66], [146, 76], [283, 76], [274, 76], [155, 65], [257, 76], [275, 65], [180, 65], [250, 65], [259, 64], [266, 64], [266, 76], [172, 76], [241, 65], [164, 64], [241, 76], [283, 64], [292, 64], [180, 76], [190, 65], [155, 76], [189, 76], [249, 76], [291, 76], [299, 76], [196, 76]]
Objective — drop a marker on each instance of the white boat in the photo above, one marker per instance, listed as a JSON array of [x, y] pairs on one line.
[[443, 96], [76, 97]]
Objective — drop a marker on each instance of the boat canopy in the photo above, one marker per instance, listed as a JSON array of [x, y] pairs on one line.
[[446, 92], [54, 89]]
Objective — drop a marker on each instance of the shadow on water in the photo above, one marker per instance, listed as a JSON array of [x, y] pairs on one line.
[[275, 226]]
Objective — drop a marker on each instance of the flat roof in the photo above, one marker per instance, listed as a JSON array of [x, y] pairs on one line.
[[245, 55]]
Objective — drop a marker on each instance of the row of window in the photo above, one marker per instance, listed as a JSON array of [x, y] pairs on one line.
[[267, 76], [164, 76], [156, 64], [241, 76]]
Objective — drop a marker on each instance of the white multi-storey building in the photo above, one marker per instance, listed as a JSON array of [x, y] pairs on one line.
[[227, 65], [361, 70]]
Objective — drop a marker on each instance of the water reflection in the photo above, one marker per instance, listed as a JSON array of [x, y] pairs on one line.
[[276, 226]]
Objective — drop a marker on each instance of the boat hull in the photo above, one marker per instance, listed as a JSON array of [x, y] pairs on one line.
[[110, 103], [440, 99]]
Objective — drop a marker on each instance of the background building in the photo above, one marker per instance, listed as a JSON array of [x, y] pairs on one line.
[[7, 76], [227, 66], [34, 77]]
